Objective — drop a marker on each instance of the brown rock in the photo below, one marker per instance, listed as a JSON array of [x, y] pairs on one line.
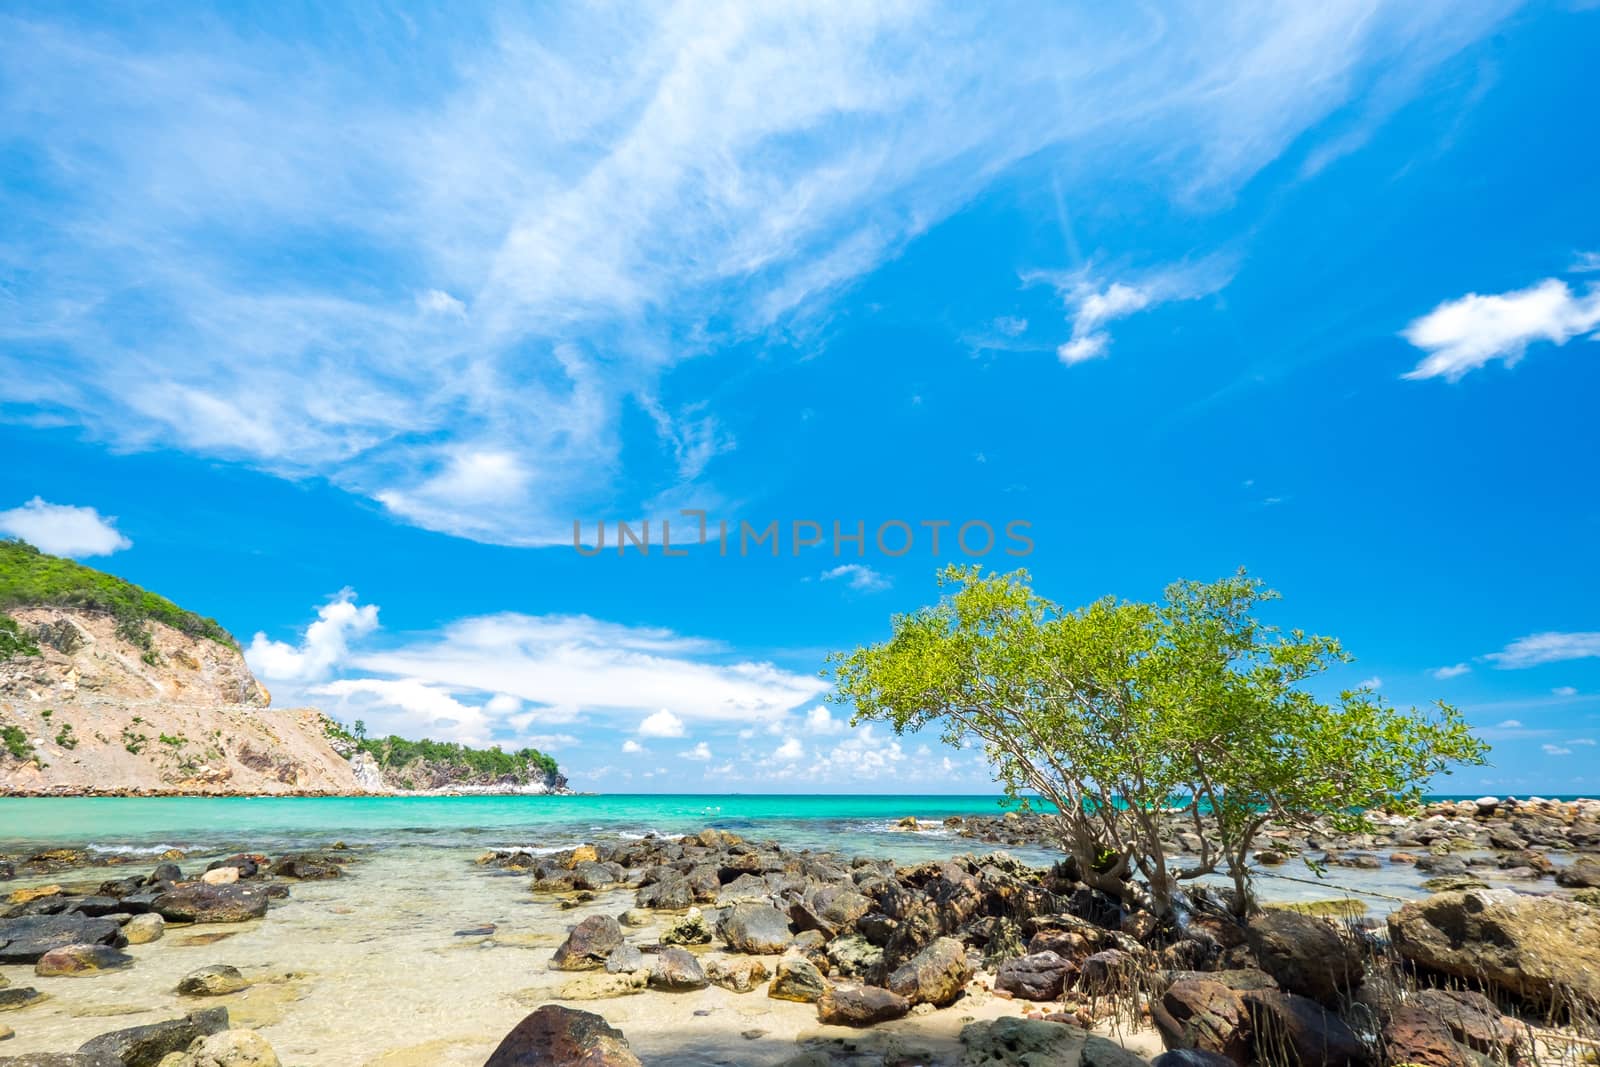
[[853, 1005], [936, 975], [1196, 1013], [1298, 1029], [588, 945], [1307, 955], [554, 1036]]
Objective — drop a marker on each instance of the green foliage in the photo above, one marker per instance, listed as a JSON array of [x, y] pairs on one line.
[[16, 742], [397, 753], [13, 640], [65, 737], [134, 742], [30, 578], [175, 742], [1118, 711]]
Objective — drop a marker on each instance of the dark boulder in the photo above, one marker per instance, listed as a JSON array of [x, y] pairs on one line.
[[936, 975], [588, 945], [857, 1005], [759, 929], [555, 1036], [678, 971], [1297, 1029], [197, 902], [144, 1046], [25, 939], [1307, 955], [1195, 1013], [1036, 976]]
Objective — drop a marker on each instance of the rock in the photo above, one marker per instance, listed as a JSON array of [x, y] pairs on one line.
[[691, 929], [307, 867], [215, 981], [1486, 805], [25, 939], [1195, 1013], [1034, 1043], [936, 975], [1036, 976], [1583, 874], [677, 971], [144, 1046], [855, 1005], [797, 979], [221, 876], [197, 902], [1307, 955], [1537, 948], [579, 855], [77, 960], [591, 985], [19, 997], [1298, 1029], [1415, 1035], [59, 1059], [1454, 883], [739, 975], [232, 1048], [592, 876], [635, 917], [624, 959], [1191, 1057], [1108, 971], [1472, 1019], [855, 956], [6, 1033], [143, 929], [28, 896], [554, 1036], [759, 929], [588, 945]]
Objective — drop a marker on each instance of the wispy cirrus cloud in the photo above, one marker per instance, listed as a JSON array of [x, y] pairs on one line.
[[1550, 647], [1093, 303], [441, 257]]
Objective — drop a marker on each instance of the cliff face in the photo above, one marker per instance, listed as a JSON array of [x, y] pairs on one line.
[[103, 709]]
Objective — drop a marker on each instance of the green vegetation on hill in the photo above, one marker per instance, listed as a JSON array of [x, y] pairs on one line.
[[30, 578], [13, 642], [394, 753]]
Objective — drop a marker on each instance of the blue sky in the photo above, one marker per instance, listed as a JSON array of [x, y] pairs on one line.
[[332, 323]]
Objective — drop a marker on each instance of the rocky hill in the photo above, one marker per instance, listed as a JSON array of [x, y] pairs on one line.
[[106, 688]]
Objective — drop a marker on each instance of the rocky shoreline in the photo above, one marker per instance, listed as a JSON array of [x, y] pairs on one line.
[[1009, 963]]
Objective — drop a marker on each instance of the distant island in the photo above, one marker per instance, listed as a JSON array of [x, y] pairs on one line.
[[110, 689]]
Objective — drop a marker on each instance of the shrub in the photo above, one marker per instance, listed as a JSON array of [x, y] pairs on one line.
[[13, 641], [16, 742]]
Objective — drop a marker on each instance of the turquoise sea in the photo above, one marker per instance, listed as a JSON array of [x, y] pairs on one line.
[[851, 823], [845, 823]]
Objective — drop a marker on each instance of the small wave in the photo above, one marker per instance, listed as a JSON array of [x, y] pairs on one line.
[[532, 850], [131, 850]]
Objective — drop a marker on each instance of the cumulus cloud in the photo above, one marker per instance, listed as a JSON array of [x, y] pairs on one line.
[[789, 751], [567, 666], [325, 646], [1454, 671], [404, 706], [1464, 334], [64, 529], [1371, 683], [1549, 647], [662, 724], [857, 576], [632, 747], [701, 751], [819, 720], [572, 200]]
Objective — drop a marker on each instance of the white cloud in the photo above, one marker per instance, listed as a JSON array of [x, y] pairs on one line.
[[789, 751], [700, 751], [598, 187], [1556, 750], [1581, 741], [503, 704], [567, 666], [1371, 683], [1565, 691], [1585, 263], [858, 576], [662, 724], [63, 529], [440, 302], [1093, 305], [326, 644], [405, 706], [819, 720], [1509, 724], [632, 747], [1464, 334], [1454, 671], [1549, 647]]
